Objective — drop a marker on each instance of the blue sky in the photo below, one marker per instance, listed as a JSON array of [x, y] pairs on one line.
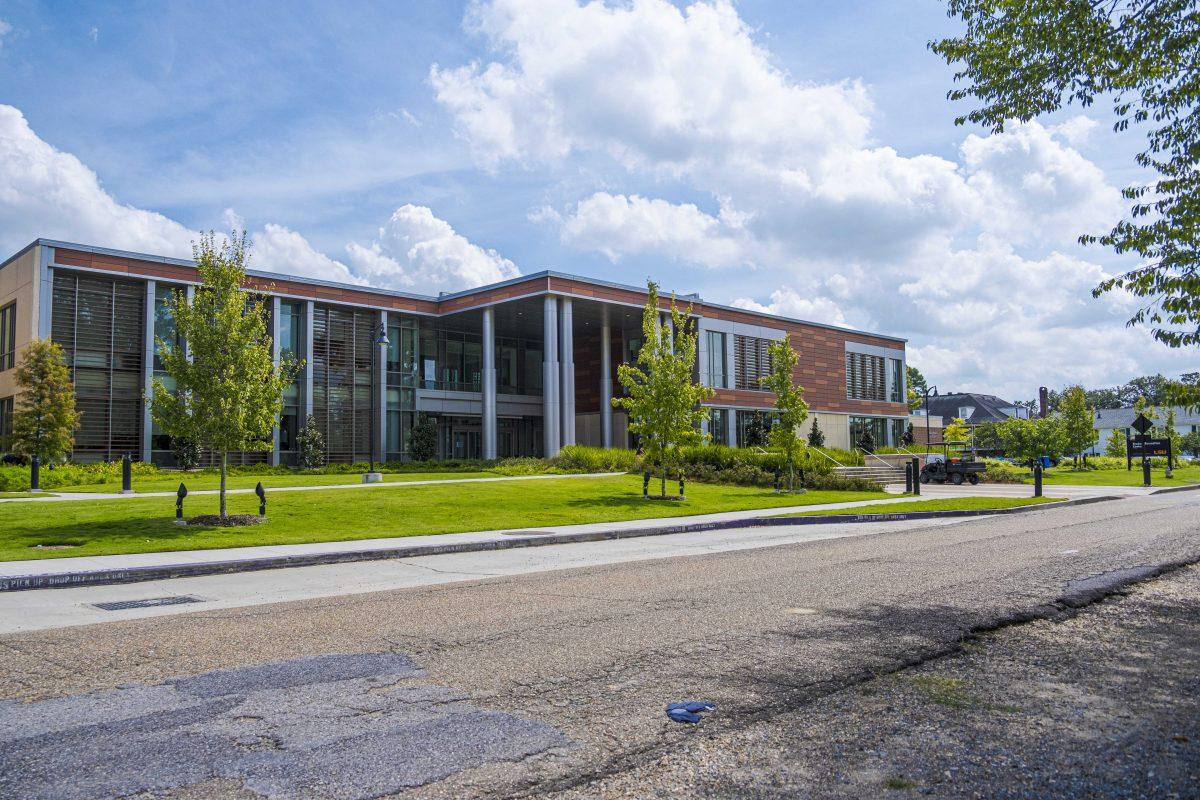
[[798, 157]]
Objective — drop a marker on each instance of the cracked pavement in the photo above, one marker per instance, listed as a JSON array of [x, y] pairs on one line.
[[589, 657]]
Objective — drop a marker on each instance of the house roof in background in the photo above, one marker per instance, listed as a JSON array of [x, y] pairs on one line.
[[1107, 418], [987, 407]]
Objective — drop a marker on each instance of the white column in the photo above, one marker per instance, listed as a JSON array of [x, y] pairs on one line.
[[566, 360], [309, 310], [381, 353], [606, 384], [730, 354], [148, 373], [670, 322], [489, 383], [731, 427], [276, 307], [550, 375]]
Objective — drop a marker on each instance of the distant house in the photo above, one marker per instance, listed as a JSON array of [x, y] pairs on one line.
[[1110, 419], [972, 407]]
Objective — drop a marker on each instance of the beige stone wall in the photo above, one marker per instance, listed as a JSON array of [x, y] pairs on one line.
[[836, 428], [18, 281]]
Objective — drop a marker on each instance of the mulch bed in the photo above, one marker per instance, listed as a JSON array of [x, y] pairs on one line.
[[231, 521]]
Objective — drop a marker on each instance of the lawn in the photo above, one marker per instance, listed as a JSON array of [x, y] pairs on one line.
[[1067, 476], [169, 482], [140, 525], [941, 504], [18, 495]]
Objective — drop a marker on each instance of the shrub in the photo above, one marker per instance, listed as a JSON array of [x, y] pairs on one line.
[[422, 439], [16, 478], [578, 458], [186, 452], [1003, 472], [311, 444], [521, 466]]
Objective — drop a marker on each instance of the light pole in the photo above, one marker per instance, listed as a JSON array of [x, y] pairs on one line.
[[381, 342], [928, 389]]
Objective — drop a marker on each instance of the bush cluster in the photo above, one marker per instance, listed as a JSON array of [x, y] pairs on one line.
[[1004, 472], [578, 458], [60, 476]]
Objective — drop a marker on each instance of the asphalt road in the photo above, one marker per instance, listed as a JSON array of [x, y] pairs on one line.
[[555, 682]]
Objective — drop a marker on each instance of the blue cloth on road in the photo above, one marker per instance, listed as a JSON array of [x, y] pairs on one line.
[[688, 711]]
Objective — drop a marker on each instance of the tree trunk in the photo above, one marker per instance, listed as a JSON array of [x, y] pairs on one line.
[[663, 492], [791, 476], [224, 460]]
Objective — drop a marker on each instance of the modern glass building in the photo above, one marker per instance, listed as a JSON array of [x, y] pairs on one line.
[[518, 368]]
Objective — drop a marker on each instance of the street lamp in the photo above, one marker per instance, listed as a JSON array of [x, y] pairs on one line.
[[928, 389], [381, 342]]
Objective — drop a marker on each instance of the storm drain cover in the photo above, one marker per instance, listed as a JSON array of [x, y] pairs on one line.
[[149, 602]]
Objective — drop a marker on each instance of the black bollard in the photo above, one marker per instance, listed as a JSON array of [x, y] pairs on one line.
[[179, 495], [645, 484], [35, 474], [1037, 480], [681, 486], [262, 499], [908, 481], [126, 474], [916, 469], [1145, 472]]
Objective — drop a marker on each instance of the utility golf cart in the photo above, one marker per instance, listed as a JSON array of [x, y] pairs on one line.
[[954, 467]]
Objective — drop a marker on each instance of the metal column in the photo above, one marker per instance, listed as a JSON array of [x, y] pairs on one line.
[[276, 352], [550, 375], [566, 359], [381, 395], [489, 383], [606, 384]]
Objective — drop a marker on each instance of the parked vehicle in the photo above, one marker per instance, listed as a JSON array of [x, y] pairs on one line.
[[954, 467]]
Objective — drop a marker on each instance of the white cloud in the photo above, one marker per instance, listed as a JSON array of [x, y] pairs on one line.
[[46, 192], [617, 224], [788, 302], [279, 249], [416, 250]]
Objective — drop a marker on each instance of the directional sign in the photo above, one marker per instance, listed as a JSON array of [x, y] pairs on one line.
[[1149, 448], [1142, 424]]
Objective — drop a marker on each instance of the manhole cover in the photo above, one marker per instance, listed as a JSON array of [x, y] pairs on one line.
[[149, 602], [527, 533]]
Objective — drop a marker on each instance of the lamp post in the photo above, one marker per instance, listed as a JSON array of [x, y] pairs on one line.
[[928, 389], [381, 341]]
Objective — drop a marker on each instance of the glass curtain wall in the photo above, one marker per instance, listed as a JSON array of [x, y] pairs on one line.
[[166, 338], [342, 343], [402, 378], [291, 343]]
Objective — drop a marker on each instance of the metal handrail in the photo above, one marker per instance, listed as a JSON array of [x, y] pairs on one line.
[[877, 458], [831, 458]]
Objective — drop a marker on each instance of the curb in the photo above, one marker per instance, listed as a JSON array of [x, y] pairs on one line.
[[1170, 489], [63, 580]]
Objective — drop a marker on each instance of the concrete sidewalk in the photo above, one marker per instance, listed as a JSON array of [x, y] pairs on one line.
[[93, 570], [60, 495]]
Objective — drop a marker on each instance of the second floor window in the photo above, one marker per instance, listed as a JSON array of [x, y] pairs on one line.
[[716, 359], [8, 337], [751, 361], [865, 377]]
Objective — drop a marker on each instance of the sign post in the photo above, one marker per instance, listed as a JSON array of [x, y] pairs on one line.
[[1144, 447]]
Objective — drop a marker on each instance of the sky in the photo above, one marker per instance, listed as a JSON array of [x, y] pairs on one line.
[[794, 157]]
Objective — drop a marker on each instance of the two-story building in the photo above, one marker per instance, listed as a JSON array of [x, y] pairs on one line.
[[518, 368]]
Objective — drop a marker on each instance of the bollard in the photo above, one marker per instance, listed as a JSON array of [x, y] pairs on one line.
[[262, 499], [1145, 472], [645, 484], [126, 474], [802, 479], [777, 477], [681, 486], [916, 468], [908, 481], [35, 476], [179, 495], [1037, 480]]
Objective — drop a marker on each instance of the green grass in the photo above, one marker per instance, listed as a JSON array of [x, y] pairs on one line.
[[205, 480], [10, 495], [1066, 476], [941, 504], [140, 525]]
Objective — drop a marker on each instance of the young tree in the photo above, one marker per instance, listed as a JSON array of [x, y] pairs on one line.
[[789, 404], [866, 440], [187, 454], [662, 399], [1024, 59], [1115, 446], [1025, 440], [916, 387], [310, 444], [1078, 420], [816, 436], [910, 436], [1190, 444], [1168, 431], [956, 431], [228, 391], [44, 417], [422, 439]]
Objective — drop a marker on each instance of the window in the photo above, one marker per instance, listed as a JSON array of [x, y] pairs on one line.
[[716, 359], [6, 423], [896, 365], [751, 361], [865, 377], [753, 427], [8, 336], [878, 426], [718, 425]]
